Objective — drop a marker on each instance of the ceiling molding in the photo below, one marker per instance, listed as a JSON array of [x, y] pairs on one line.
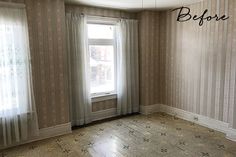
[[134, 5]]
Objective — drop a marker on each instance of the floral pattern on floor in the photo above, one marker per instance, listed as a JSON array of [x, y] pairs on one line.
[[134, 136]]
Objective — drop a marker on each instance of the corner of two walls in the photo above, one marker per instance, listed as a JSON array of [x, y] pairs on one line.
[[181, 65], [190, 67], [149, 57], [46, 23]]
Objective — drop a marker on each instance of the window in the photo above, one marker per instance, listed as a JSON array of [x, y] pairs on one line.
[[101, 45], [14, 64]]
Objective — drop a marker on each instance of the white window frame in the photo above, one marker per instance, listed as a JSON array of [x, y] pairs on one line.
[[97, 97]]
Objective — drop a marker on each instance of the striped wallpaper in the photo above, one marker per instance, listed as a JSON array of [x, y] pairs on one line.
[[49, 62], [92, 11], [49, 67], [104, 105], [181, 64], [46, 19], [190, 67], [149, 30], [14, 1]]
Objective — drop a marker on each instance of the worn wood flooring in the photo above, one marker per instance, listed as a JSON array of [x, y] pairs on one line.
[[156, 135]]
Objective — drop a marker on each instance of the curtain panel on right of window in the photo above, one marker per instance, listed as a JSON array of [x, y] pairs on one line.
[[127, 67]]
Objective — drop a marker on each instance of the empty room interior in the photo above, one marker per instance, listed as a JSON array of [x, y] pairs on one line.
[[122, 78]]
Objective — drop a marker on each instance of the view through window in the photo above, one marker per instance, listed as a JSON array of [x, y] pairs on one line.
[[101, 46]]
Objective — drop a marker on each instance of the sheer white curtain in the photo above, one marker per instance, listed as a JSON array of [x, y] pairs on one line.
[[78, 58], [128, 67], [18, 118]]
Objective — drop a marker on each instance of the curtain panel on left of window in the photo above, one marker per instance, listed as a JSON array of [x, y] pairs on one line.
[[18, 117]]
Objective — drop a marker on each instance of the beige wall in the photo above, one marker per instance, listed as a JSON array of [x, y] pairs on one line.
[[14, 1], [181, 64], [104, 105], [193, 68], [49, 58], [149, 53], [46, 20], [92, 11], [47, 45]]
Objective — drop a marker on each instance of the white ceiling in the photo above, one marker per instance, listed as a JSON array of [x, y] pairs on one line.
[[134, 4]]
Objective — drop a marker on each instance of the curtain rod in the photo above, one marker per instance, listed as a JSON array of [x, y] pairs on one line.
[[12, 5], [112, 18], [104, 17], [105, 20]]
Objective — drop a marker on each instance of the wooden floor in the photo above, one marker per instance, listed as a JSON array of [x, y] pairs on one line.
[[139, 135]]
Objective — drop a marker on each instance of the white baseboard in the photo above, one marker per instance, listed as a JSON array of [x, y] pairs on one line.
[[55, 131], [104, 114], [66, 128], [196, 118], [192, 117], [109, 113], [46, 133], [231, 134]]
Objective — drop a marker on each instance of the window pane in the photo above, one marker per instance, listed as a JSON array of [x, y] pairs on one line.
[[13, 68], [102, 68], [96, 31]]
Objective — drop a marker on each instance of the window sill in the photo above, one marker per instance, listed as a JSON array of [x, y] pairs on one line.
[[100, 98]]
